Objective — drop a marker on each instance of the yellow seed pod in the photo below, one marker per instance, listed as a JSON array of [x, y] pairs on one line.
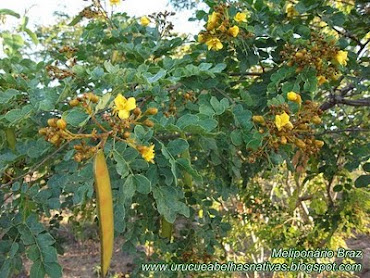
[[166, 228], [11, 138], [105, 210]]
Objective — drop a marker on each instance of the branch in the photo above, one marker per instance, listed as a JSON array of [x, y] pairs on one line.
[[335, 99], [38, 165], [348, 35], [245, 73], [350, 129]]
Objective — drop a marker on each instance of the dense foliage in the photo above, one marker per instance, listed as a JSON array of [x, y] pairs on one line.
[[249, 136]]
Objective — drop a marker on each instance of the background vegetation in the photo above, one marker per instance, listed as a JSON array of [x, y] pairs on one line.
[[224, 184]]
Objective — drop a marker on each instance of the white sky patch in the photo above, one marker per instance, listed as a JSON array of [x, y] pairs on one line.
[[41, 12]]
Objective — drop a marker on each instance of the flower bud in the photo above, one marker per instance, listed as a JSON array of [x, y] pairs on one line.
[[61, 124], [126, 134], [316, 120], [300, 144], [152, 111], [319, 143], [52, 122], [78, 157], [43, 131], [258, 119], [148, 123], [54, 139], [137, 111], [283, 140], [74, 102]]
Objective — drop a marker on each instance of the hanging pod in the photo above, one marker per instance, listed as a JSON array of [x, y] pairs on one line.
[[105, 210]]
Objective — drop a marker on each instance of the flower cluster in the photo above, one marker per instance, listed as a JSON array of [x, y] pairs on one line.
[[284, 127], [115, 2], [117, 124], [320, 54], [220, 27]]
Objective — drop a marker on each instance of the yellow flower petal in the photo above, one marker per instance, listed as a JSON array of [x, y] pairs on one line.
[[283, 120], [120, 102], [114, 2], [148, 153], [292, 96], [130, 104], [341, 57], [240, 17], [144, 21], [234, 31], [123, 114], [214, 43]]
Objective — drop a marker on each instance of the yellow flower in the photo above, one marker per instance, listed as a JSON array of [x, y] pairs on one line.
[[214, 43], [233, 31], [290, 10], [341, 57], [115, 2], [283, 120], [321, 80], [213, 20], [292, 96], [124, 106], [240, 17], [201, 38], [144, 21], [147, 153]]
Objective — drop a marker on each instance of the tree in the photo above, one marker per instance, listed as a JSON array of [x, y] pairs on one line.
[[254, 133]]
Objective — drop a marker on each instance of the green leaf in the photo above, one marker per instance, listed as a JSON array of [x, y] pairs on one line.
[[236, 137], [53, 269], [103, 102], [159, 75], [217, 106], [9, 12], [186, 120], [143, 185], [177, 146], [76, 20], [122, 167], [362, 181], [37, 270], [186, 166], [8, 95], [16, 115], [366, 167], [242, 117], [32, 35], [76, 117], [128, 189]]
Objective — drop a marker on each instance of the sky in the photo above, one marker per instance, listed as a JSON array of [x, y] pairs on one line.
[[41, 12]]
